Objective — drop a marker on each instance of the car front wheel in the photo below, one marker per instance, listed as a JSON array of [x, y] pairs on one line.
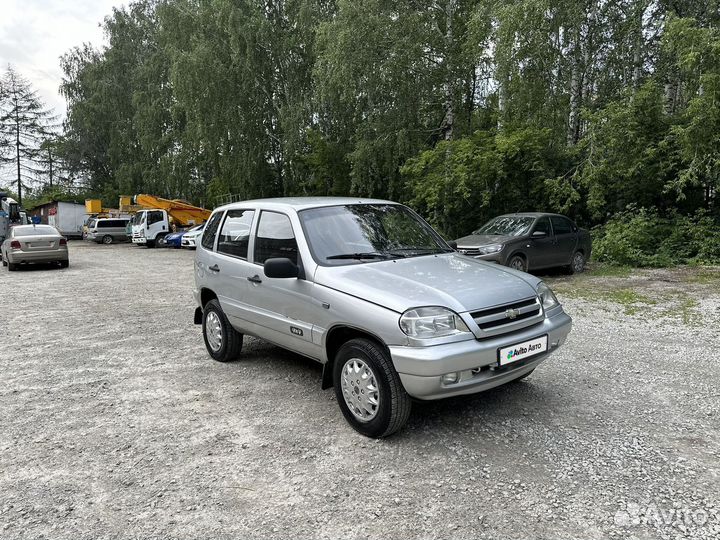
[[222, 341], [368, 389], [517, 262], [107, 239]]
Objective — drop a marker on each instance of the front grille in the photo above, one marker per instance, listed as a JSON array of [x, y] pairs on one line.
[[502, 309], [508, 317], [471, 252]]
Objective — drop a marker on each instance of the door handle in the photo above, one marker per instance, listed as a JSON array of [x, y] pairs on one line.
[[255, 279], [214, 268]]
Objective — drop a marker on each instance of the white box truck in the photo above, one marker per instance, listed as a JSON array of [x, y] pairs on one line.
[[68, 218]]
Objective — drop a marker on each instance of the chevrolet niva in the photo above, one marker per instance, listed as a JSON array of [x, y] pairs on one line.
[[367, 288]]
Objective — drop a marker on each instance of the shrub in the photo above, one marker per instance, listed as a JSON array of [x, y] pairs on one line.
[[644, 237]]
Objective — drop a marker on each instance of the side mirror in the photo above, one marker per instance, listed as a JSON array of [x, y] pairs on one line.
[[281, 267], [453, 244], [539, 234]]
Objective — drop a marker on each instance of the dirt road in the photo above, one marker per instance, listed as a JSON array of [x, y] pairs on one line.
[[114, 422]]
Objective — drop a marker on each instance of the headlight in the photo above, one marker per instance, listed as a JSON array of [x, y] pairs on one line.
[[491, 248], [546, 296], [431, 322]]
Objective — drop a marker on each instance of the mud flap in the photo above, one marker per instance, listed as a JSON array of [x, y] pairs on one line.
[[198, 315], [327, 375]]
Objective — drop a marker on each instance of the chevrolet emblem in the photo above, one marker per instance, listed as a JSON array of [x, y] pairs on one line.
[[512, 313]]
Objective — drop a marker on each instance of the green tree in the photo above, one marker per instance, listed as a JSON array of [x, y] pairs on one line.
[[25, 124]]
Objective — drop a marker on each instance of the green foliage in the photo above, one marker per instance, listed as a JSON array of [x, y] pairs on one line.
[[644, 237], [463, 108], [460, 184]]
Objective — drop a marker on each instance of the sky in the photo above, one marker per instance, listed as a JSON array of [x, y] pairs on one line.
[[35, 33]]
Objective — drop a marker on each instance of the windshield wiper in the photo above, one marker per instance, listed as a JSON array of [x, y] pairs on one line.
[[418, 251], [360, 256]]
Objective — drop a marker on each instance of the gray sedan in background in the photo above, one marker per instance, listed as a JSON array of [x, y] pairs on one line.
[[529, 241], [34, 244]]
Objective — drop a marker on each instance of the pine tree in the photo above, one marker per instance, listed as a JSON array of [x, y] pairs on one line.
[[25, 124]]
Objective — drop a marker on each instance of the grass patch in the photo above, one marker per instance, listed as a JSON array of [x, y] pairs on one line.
[[627, 298], [685, 310], [705, 276], [609, 270]]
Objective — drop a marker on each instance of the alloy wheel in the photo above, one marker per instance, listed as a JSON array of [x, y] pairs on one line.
[[360, 389], [578, 263], [213, 331]]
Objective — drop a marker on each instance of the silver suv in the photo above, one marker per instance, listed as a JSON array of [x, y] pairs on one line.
[[371, 291]]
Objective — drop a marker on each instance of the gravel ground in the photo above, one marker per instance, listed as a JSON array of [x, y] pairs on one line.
[[115, 423]]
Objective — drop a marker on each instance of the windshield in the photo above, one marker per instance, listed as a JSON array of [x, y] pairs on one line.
[[138, 218], [365, 232], [506, 226], [36, 230], [91, 223]]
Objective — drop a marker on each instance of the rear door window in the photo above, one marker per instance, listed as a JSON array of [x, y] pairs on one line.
[[275, 238], [235, 233], [561, 225], [208, 238]]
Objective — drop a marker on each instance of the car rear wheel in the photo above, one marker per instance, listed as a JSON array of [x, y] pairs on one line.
[[517, 262], [368, 389], [107, 239], [222, 341], [577, 265], [64, 264], [12, 267]]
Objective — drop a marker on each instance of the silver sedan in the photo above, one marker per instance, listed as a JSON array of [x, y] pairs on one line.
[[34, 244]]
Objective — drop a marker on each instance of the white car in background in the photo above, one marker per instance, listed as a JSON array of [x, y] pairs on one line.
[[190, 238]]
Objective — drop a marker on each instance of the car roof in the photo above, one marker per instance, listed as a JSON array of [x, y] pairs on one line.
[[532, 214], [301, 203]]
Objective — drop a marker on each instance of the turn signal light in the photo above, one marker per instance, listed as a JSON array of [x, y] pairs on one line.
[[15, 244]]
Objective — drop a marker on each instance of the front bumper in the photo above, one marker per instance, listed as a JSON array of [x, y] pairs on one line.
[[491, 257], [188, 242], [421, 368], [139, 240]]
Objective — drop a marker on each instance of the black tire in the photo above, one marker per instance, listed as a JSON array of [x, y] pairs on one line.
[[64, 264], [394, 403], [577, 263], [107, 239], [232, 340], [12, 267], [518, 262], [4, 262], [522, 376], [150, 244], [161, 242]]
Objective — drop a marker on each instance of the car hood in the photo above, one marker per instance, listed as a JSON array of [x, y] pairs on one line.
[[475, 240], [450, 280]]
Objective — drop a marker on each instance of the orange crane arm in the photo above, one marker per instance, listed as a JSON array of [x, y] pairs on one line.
[[182, 212]]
